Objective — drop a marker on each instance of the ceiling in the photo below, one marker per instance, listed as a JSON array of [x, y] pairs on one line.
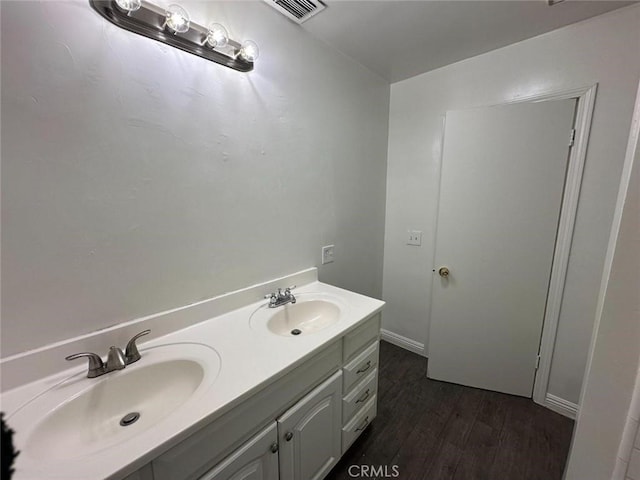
[[399, 39]]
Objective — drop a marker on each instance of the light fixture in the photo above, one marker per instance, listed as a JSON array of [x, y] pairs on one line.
[[217, 36], [174, 27], [249, 51], [129, 5], [177, 19]]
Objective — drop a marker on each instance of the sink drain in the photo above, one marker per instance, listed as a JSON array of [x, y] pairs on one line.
[[129, 419], [295, 331]]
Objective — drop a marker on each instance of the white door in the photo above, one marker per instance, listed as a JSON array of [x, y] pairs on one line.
[[503, 174], [310, 433], [255, 460]]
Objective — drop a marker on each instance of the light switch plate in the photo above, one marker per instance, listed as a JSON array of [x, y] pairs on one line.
[[327, 254], [414, 237]]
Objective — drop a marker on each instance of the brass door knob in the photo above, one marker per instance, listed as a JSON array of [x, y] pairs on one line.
[[443, 272]]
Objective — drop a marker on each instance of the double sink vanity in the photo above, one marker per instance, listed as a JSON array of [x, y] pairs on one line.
[[229, 388]]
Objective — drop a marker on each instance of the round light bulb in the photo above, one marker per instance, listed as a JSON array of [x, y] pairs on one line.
[[129, 5], [249, 51], [177, 18], [217, 36]]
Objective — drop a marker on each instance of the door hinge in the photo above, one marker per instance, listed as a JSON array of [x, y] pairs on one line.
[[537, 362], [572, 137]]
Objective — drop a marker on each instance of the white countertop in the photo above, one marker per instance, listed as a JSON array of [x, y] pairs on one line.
[[251, 358]]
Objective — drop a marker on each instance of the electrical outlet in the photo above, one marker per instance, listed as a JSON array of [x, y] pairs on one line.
[[414, 237], [327, 254]]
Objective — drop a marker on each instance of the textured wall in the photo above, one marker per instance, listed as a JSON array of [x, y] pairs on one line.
[[602, 443], [602, 50], [137, 177]]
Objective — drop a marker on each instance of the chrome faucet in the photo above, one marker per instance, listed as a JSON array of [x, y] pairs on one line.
[[116, 359], [281, 298]]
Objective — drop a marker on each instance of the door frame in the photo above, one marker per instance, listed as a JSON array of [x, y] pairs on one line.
[[585, 97]]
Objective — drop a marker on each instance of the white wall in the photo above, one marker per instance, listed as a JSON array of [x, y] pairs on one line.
[[137, 177], [599, 444], [603, 50], [628, 460], [633, 468]]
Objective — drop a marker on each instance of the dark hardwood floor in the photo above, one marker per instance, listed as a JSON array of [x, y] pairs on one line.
[[434, 430]]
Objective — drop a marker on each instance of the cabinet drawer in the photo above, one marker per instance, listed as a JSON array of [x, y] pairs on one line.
[[357, 425], [359, 396], [360, 366], [356, 340]]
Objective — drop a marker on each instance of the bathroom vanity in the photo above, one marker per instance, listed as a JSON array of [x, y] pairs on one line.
[[298, 427], [269, 404]]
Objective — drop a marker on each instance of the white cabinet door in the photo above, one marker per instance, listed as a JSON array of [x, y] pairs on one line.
[[145, 473], [310, 433], [255, 460]]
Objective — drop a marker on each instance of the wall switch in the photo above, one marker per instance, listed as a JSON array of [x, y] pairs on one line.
[[327, 254], [414, 237]]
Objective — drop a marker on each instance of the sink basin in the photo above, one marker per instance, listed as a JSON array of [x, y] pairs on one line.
[[310, 314], [83, 416], [304, 317]]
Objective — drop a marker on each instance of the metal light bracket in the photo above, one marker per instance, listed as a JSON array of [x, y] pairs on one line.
[[149, 21]]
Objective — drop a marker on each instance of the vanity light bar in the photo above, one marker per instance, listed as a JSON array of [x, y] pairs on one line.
[[173, 27]]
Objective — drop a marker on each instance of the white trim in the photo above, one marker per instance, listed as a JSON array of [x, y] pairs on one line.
[[561, 406], [586, 101], [402, 342]]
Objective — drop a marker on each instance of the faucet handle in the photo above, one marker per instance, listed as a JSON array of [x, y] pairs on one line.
[[287, 293], [273, 298], [95, 363], [115, 359], [131, 353]]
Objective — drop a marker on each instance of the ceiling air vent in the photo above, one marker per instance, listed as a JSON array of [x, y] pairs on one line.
[[297, 10]]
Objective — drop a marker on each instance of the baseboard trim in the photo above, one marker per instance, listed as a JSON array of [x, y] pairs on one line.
[[402, 342], [561, 406]]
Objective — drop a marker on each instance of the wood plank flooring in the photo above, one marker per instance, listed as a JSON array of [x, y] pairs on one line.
[[436, 430]]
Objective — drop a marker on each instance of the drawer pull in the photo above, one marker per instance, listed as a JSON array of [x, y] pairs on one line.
[[363, 397], [363, 425], [364, 369]]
